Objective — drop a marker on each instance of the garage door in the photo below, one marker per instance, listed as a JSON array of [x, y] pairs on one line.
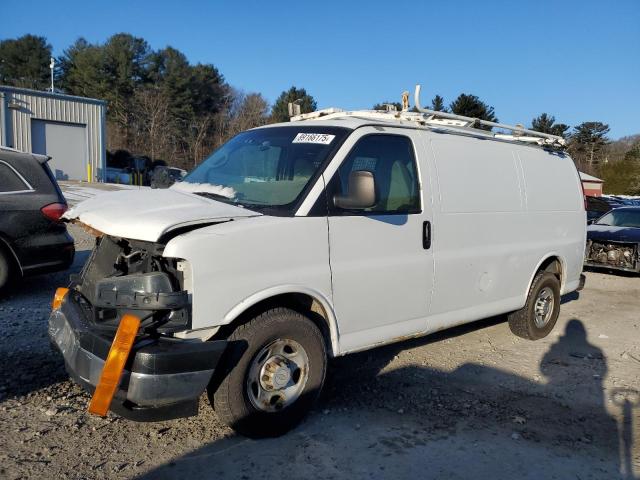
[[65, 143]]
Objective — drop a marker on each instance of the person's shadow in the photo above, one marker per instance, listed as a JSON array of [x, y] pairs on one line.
[[576, 369]]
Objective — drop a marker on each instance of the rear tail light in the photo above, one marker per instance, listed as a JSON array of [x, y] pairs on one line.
[[54, 211]]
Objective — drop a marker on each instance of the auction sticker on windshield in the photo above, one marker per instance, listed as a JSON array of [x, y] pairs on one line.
[[321, 138]]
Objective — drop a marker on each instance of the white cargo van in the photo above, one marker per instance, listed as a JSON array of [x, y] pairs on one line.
[[294, 243]]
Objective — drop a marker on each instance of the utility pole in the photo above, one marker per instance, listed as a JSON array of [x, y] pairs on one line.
[[52, 66]]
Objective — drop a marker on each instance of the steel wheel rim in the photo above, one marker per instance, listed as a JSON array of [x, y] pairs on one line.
[[277, 375], [543, 307]]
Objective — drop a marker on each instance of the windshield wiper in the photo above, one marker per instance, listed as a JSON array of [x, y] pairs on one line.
[[214, 196]]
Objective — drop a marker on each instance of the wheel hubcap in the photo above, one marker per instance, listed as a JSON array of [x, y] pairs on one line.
[[543, 308], [277, 375]]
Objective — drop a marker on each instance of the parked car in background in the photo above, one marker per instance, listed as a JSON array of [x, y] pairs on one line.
[[32, 238], [164, 177], [613, 240], [598, 206], [623, 200]]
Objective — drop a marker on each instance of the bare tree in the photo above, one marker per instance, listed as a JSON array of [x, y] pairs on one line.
[[244, 111], [152, 125], [251, 110], [201, 129]]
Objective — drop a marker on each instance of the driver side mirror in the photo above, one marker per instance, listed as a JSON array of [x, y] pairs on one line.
[[361, 193]]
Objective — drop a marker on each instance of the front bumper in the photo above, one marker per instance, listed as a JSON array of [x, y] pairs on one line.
[[163, 378]]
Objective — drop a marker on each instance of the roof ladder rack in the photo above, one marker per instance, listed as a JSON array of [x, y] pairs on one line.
[[518, 131]]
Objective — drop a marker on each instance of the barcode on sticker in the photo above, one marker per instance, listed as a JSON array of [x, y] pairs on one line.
[[321, 138]]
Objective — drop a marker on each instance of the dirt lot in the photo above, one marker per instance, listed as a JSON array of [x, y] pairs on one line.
[[472, 402]]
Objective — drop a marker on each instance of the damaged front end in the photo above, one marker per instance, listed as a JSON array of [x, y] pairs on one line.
[[130, 276], [164, 375], [615, 255]]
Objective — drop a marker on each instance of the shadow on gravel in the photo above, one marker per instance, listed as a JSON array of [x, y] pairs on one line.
[[416, 422], [570, 297]]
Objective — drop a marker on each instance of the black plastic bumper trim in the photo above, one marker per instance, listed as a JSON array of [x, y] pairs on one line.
[[154, 356], [136, 413]]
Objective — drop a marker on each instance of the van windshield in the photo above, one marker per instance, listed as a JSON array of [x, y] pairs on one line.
[[267, 168]]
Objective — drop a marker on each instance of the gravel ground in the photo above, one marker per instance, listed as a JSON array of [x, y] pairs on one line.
[[474, 401]]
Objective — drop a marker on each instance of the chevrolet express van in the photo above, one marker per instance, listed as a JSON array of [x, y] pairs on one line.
[[295, 243]]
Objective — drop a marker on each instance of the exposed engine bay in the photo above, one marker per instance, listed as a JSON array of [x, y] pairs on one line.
[[130, 276], [622, 256]]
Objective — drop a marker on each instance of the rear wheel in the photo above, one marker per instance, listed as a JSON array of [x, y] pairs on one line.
[[539, 315], [271, 374]]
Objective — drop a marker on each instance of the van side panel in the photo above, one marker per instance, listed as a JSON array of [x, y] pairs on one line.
[[487, 243], [477, 230], [555, 205]]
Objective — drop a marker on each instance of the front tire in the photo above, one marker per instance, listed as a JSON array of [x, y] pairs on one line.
[[270, 375], [540, 314]]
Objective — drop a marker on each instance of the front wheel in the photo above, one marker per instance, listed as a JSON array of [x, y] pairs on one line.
[[271, 374], [539, 315]]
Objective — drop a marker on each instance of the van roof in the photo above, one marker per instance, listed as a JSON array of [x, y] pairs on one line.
[[359, 118], [425, 119]]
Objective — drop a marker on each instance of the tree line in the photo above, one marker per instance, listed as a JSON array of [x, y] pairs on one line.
[[158, 103], [163, 106]]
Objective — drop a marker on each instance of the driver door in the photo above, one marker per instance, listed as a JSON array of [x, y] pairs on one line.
[[381, 261]]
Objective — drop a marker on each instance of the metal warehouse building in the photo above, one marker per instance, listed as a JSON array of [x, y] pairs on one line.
[[71, 130]]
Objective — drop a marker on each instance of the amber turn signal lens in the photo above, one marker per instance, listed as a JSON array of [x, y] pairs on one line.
[[114, 365], [58, 297]]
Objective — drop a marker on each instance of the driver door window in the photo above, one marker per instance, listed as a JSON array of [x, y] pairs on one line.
[[391, 160]]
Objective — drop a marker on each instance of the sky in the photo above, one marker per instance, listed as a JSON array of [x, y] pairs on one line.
[[577, 60]]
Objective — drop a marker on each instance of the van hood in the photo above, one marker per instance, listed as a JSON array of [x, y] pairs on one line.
[[150, 214]]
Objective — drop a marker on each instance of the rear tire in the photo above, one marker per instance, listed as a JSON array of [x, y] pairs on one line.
[[540, 314], [270, 375]]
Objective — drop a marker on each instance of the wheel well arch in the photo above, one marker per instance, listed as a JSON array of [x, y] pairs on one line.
[[311, 304], [551, 263]]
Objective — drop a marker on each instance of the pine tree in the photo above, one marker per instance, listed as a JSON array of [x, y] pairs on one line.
[[545, 123], [280, 110], [471, 106], [437, 104], [587, 144], [24, 62]]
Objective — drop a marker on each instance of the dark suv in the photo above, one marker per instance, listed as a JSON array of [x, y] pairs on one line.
[[32, 238]]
